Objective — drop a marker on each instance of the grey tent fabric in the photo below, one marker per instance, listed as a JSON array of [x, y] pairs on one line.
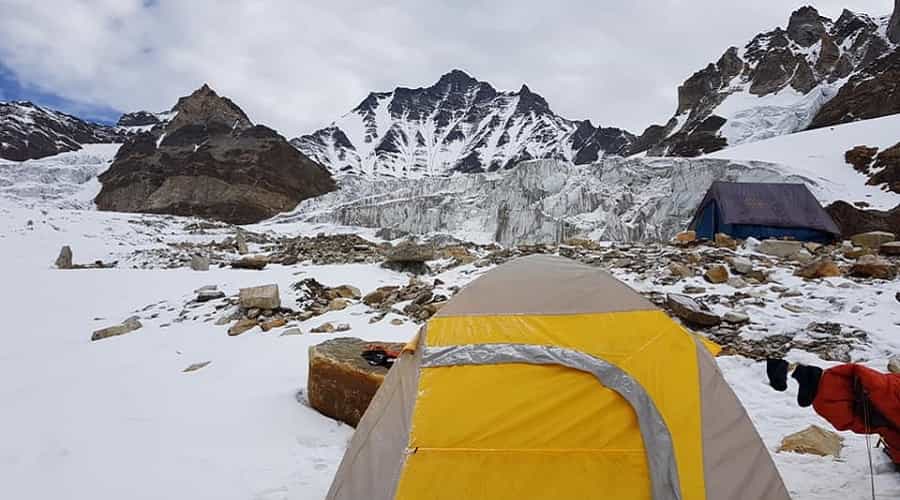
[[767, 204]]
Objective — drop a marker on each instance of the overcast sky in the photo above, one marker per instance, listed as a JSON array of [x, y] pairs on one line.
[[296, 65]]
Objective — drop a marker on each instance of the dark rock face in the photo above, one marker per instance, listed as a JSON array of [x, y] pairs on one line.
[[138, 119], [887, 165], [861, 157], [28, 131], [894, 26], [853, 221], [210, 161], [458, 124], [870, 93], [771, 62]]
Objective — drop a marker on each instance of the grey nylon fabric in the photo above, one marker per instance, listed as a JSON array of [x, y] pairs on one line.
[[767, 204], [657, 439]]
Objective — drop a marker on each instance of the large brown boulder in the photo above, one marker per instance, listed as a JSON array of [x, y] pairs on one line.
[[210, 161], [852, 220], [871, 266], [813, 440], [341, 383], [690, 311]]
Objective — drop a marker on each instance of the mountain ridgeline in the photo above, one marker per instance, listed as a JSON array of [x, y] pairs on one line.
[[459, 124]]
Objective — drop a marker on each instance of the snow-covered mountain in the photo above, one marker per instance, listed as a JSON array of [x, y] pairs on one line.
[[459, 124], [777, 84], [29, 131]]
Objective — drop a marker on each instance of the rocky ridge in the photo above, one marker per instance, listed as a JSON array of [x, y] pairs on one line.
[[29, 131], [784, 81]]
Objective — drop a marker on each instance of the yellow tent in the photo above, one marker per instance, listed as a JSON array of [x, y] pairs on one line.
[[547, 379]]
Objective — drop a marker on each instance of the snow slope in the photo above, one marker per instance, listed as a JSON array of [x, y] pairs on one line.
[[819, 155]]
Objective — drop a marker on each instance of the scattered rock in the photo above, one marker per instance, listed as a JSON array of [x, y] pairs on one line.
[[243, 325], [291, 331], [779, 248], [262, 297], [240, 243], [741, 265], [892, 248], [408, 256], [272, 323], [199, 262], [232, 314], [690, 311], [341, 384], [794, 308], [735, 318], [342, 327], [803, 256], [686, 237], [873, 239], [680, 270], [716, 274], [129, 325], [337, 305], [871, 266], [397, 321], [206, 294], [694, 290], [256, 262], [722, 240], [346, 292], [64, 261], [822, 267], [196, 366], [323, 328], [894, 365], [813, 441], [737, 282]]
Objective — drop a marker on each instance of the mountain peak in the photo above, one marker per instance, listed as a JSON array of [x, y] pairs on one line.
[[529, 101], [206, 107], [806, 26], [457, 76]]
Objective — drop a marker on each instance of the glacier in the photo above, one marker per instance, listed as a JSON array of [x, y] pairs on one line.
[[540, 201]]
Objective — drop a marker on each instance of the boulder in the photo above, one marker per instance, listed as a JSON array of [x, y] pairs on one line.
[[337, 305], [737, 282], [814, 440], [196, 366], [408, 256], [64, 261], [873, 239], [741, 265], [803, 256], [822, 267], [894, 365], [892, 248], [210, 161], [243, 325], [690, 311], [779, 248], [410, 251], [716, 274], [206, 294], [852, 220], [272, 323], [255, 262], [724, 241], [680, 270], [686, 237], [199, 262], [871, 266], [345, 292], [129, 325], [735, 318], [262, 297], [342, 327], [323, 328], [341, 384], [379, 295], [240, 243]]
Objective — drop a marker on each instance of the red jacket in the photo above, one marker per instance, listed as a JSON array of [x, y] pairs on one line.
[[840, 397]]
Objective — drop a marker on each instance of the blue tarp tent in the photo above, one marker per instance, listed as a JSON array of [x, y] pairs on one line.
[[763, 210]]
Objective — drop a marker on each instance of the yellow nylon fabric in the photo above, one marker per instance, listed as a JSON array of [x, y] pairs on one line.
[[524, 431]]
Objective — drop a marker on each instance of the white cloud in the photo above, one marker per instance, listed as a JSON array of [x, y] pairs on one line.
[[297, 65]]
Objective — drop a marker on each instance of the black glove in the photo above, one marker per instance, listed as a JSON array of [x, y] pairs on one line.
[[777, 370], [808, 377]]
